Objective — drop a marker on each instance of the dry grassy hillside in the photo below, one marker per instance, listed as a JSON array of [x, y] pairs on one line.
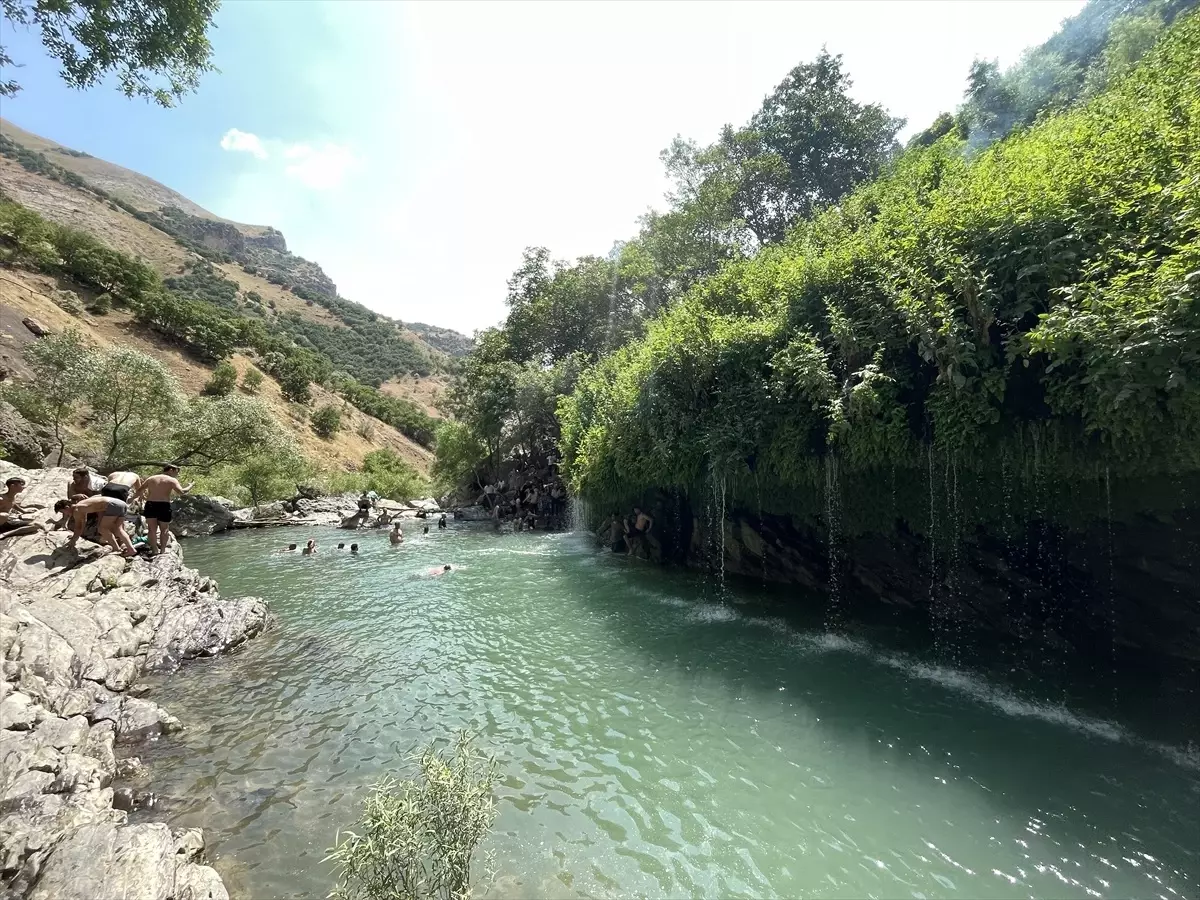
[[65, 204], [134, 188], [27, 294]]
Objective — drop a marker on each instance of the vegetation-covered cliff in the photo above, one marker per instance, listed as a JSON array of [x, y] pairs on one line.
[[991, 334]]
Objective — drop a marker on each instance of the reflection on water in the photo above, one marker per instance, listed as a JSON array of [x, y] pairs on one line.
[[654, 742]]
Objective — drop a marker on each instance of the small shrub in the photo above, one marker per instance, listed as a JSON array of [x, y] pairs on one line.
[[102, 305], [366, 430], [223, 381], [327, 421], [69, 302], [252, 381], [416, 837]]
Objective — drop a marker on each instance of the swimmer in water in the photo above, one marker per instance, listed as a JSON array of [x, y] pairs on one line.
[[291, 548], [442, 571], [310, 548], [354, 548], [396, 535]]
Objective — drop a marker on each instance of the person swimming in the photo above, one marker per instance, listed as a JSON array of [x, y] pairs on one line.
[[310, 548], [354, 548], [291, 548], [396, 535], [442, 571]]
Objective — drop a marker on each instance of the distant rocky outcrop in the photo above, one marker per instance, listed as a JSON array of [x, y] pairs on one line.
[[78, 627]]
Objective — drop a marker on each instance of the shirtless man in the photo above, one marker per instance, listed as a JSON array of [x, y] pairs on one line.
[[396, 535], [157, 489], [12, 523], [83, 481], [310, 549], [111, 512], [642, 524]]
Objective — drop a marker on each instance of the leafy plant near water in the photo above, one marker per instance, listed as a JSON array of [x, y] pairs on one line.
[[417, 837], [1049, 286]]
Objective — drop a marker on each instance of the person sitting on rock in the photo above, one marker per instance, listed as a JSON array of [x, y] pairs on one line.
[[396, 536], [13, 516], [157, 489], [84, 481], [310, 549], [111, 513]]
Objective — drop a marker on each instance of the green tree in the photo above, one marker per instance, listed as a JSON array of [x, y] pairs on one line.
[[252, 380], [294, 378], [272, 475], [60, 365], [213, 432], [155, 50], [828, 142], [327, 421], [458, 454], [223, 381], [132, 397]]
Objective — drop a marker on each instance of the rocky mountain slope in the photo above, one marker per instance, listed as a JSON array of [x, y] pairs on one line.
[[78, 627], [242, 270]]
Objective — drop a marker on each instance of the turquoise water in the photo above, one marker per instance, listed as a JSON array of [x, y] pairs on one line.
[[657, 738]]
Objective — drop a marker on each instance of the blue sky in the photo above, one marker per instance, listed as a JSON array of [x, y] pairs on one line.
[[414, 149]]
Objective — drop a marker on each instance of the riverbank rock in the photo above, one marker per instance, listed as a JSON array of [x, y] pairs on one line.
[[325, 510], [196, 514], [78, 627]]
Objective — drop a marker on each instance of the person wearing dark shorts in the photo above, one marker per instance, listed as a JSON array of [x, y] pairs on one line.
[[157, 510], [158, 489]]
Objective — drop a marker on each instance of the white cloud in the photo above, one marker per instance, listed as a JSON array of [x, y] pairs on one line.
[[321, 167], [243, 142]]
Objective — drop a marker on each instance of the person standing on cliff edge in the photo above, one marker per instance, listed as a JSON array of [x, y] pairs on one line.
[[157, 489]]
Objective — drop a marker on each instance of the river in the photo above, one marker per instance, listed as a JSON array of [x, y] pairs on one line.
[[657, 737]]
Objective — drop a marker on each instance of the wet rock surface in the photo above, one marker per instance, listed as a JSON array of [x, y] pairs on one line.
[[78, 627]]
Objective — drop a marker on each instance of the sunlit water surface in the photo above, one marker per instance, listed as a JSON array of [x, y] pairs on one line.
[[657, 738]]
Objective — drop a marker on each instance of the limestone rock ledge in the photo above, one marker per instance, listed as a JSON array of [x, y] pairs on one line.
[[77, 628]]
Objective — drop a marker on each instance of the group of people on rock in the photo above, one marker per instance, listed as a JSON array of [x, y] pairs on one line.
[[103, 509], [532, 495]]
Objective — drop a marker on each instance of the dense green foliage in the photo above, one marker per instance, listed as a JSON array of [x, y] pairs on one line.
[[1047, 287], [446, 340], [372, 352], [385, 473], [157, 53]]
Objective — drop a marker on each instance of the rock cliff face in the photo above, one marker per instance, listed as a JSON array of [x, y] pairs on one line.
[[77, 629], [1133, 584]]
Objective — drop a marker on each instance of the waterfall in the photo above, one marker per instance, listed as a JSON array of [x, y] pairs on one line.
[[833, 526], [580, 513]]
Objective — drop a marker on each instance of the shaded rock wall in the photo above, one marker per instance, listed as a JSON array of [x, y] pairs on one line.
[[78, 626], [1134, 582]]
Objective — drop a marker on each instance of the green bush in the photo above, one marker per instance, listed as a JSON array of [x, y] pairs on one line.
[[327, 421], [101, 305], [416, 837], [384, 472], [223, 381], [252, 380]]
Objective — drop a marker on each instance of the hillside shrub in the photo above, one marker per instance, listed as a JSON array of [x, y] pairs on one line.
[[252, 380], [223, 381], [327, 421]]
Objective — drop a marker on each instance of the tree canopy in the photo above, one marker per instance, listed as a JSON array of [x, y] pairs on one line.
[[156, 50]]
